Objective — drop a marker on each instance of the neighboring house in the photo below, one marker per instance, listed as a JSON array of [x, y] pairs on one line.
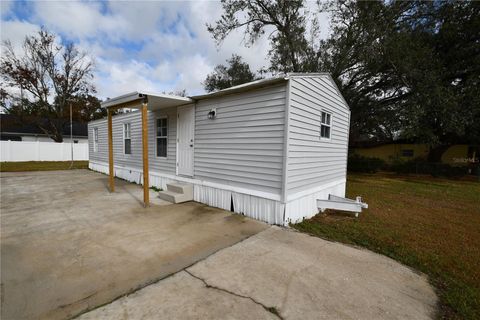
[[267, 149], [459, 154], [13, 129]]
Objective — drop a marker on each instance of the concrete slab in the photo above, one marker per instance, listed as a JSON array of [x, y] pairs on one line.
[[291, 276], [68, 245], [306, 277], [180, 297]]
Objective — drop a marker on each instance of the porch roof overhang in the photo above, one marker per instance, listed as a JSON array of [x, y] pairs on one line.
[[155, 101]]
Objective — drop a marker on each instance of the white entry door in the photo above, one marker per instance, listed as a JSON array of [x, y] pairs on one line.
[[185, 134]]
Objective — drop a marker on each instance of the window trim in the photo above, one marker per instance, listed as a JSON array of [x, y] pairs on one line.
[[95, 139], [156, 136], [326, 125], [124, 138]]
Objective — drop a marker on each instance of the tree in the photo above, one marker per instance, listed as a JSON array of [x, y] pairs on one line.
[[236, 72], [178, 93], [407, 69], [49, 76], [87, 108], [412, 67], [286, 22]]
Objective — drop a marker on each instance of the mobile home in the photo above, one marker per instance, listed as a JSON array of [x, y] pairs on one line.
[[266, 149]]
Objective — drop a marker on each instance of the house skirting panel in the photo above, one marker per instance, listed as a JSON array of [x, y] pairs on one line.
[[272, 211], [266, 210], [257, 207], [213, 196], [305, 206]]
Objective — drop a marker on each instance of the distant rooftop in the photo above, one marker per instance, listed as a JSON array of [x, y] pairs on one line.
[[10, 124]]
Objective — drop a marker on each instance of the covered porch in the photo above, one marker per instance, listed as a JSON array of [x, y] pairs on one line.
[[144, 102]]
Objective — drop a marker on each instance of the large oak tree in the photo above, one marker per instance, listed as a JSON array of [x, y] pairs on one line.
[[407, 69]]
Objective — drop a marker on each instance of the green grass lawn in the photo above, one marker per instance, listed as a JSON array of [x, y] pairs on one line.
[[432, 225], [41, 165]]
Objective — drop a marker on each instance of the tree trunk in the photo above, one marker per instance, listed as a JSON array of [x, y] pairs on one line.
[[435, 153]]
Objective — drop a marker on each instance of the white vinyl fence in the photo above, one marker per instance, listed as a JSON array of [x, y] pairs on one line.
[[42, 151]]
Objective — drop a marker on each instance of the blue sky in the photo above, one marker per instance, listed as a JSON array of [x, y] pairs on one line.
[[137, 45]]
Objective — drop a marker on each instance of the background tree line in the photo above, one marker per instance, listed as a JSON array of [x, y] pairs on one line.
[[408, 69], [50, 77]]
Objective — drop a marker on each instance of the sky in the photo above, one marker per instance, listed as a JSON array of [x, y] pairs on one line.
[[152, 46]]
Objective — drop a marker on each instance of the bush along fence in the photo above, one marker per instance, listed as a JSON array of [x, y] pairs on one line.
[[358, 163]]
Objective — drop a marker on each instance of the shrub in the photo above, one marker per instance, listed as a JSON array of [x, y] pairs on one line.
[[357, 163], [420, 166]]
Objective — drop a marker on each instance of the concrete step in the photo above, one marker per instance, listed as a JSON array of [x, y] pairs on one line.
[[178, 187], [174, 197]]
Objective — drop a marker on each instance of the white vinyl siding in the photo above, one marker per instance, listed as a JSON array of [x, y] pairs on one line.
[[314, 160], [165, 165], [243, 145]]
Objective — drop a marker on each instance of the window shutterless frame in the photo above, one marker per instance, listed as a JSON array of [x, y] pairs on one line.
[[127, 138], [161, 137], [95, 139], [325, 125]]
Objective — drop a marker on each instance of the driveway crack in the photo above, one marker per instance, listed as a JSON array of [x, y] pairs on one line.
[[272, 310]]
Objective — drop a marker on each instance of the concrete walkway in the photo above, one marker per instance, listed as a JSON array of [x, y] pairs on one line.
[[68, 245], [283, 274]]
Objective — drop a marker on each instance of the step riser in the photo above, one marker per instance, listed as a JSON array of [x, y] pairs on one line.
[[180, 188], [166, 197], [177, 193], [178, 198]]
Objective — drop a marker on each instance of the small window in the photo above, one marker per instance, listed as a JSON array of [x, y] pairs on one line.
[[162, 136], [95, 139], [325, 125], [407, 153], [127, 140]]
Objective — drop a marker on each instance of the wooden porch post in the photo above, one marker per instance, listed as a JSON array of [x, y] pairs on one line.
[[146, 194], [110, 151]]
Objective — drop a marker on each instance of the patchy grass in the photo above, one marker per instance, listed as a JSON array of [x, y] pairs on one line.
[[41, 165], [156, 189], [432, 225]]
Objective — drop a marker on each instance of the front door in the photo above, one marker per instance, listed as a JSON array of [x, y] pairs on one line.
[[185, 134]]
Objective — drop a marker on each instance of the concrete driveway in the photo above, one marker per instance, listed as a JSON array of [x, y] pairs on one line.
[[283, 274], [67, 245]]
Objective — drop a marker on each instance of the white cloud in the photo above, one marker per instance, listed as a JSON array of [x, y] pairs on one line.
[[78, 19], [114, 78], [5, 7], [16, 31], [155, 46]]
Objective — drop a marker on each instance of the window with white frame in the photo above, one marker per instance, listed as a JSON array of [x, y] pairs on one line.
[[325, 125], [162, 136], [127, 138], [95, 139]]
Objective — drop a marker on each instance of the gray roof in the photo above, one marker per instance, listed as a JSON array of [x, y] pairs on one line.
[[156, 100]]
